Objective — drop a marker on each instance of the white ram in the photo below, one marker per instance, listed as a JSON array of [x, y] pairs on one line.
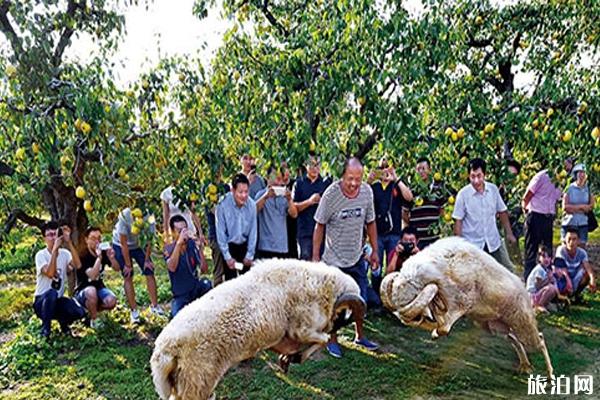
[[288, 306], [452, 278]]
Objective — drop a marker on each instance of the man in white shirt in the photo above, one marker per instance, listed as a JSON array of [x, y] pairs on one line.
[[475, 211], [52, 265]]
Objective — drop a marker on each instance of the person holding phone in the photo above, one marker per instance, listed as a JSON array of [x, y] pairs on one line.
[[273, 204], [183, 259], [52, 264], [91, 292]]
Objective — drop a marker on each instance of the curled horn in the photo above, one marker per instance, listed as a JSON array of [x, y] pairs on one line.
[[356, 305], [385, 291], [417, 306]]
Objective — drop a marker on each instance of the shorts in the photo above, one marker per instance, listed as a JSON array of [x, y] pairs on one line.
[[136, 254], [102, 294], [358, 272]]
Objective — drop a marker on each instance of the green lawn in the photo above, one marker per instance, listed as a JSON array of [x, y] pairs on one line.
[[113, 362]]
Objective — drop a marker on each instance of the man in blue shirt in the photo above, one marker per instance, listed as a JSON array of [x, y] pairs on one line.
[[236, 227], [307, 194], [273, 204], [183, 258]]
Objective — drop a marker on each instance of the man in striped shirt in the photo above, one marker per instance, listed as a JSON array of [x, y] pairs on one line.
[[427, 207], [345, 208]]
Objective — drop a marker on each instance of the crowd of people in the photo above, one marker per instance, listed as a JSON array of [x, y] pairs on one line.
[[348, 223]]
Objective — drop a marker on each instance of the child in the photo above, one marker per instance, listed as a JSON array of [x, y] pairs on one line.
[[541, 284]]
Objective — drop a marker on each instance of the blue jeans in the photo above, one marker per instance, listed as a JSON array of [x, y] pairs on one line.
[[358, 272], [49, 306], [386, 243], [102, 295], [136, 254], [182, 300]]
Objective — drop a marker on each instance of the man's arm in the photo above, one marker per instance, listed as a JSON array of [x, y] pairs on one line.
[[312, 200], [526, 199], [458, 227], [406, 192], [75, 261], [173, 260], [50, 269], [317, 241], [94, 272], [505, 221], [372, 233], [292, 209], [252, 236]]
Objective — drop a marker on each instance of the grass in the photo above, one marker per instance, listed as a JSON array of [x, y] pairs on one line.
[[112, 363]]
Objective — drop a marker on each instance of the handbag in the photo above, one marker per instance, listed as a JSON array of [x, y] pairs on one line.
[[592, 221]]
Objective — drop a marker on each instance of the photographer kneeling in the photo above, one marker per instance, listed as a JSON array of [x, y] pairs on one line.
[[52, 265], [183, 257], [406, 247], [90, 291]]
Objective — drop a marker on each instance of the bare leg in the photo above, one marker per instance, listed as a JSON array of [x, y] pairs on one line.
[[130, 292], [151, 285], [524, 364]]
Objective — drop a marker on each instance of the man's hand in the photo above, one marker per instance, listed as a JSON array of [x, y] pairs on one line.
[[288, 195], [148, 264], [57, 244], [315, 198], [111, 254], [231, 263], [127, 271], [183, 236], [592, 286], [247, 262], [374, 260], [66, 234], [415, 250], [511, 238], [270, 192]]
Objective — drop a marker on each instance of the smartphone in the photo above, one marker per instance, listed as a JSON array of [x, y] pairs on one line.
[[104, 246], [239, 266], [279, 190]]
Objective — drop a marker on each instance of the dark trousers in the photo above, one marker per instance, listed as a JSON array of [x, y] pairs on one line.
[[238, 252], [538, 230], [306, 248], [49, 306], [264, 255], [182, 300], [218, 262]]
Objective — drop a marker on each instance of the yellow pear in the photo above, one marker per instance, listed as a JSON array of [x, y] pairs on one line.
[[87, 206], [80, 192]]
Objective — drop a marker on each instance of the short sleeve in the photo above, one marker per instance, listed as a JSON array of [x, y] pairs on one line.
[[40, 261], [370, 212], [323, 213], [459, 206], [167, 194]]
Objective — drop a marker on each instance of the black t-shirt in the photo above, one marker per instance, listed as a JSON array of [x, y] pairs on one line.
[[382, 198], [87, 262]]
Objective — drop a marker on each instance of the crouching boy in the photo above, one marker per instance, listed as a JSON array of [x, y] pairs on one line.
[[183, 258]]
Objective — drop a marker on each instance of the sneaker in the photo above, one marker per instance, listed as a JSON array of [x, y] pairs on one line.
[[95, 323], [134, 316], [364, 342], [157, 310], [334, 349]]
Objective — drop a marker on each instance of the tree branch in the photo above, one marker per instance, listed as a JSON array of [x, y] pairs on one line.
[[8, 30], [18, 214], [272, 20], [65, 36]]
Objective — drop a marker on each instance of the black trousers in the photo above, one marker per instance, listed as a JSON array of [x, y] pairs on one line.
[[238, 252], [49, 306], [538, 230]]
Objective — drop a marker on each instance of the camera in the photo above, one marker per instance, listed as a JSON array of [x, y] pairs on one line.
[[59, 232], [407, 247], [56, 283], [253, 168]]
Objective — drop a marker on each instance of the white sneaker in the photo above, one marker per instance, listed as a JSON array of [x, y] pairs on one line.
[[134, 316], [95, 324], [157, 310]]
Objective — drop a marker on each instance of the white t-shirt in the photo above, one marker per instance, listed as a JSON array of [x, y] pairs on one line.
[[42, 258], [167, 195]]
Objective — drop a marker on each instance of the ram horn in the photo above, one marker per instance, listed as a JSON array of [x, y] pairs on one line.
[[347, 301], [417, 306]]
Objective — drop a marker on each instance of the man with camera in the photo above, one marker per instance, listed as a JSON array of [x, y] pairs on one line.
[[91, 292], [52, 265], [406, 247], [183, 259]]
